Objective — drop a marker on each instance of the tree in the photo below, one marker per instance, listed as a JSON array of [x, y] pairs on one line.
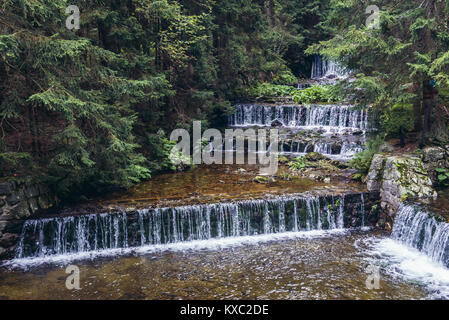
[[396, 62]]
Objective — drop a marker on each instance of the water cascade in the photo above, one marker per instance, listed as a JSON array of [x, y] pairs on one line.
[[417, 228], [333, 130], [325, 69], [327, 116], [97, 232]]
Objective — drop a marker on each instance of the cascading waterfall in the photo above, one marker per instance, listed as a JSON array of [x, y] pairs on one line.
[[332, 120], [322, 69], [335, 116], [417, 228], [97, 232]]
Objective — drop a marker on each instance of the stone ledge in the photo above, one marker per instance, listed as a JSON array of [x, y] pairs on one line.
[[397, 178]]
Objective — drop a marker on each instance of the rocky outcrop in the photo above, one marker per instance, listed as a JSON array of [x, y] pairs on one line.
[[398, 178], [18, 202], [434, 158]]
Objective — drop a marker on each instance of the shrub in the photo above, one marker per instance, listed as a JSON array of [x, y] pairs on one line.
[[443, 177], [362, 160], [398, 120], [315, 94], [267, 90], [298, 164]]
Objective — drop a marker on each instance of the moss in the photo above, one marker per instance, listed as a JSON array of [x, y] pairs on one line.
[[262, 179]]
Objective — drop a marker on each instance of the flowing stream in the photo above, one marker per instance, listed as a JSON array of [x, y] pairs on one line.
[[214, 233]]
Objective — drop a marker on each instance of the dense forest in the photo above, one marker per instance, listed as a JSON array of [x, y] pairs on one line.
[[90, 110]]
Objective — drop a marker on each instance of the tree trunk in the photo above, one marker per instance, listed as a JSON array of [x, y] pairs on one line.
[[402, 137], [429, 101], [417, 107]]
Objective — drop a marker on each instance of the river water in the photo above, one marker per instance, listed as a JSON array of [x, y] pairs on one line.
[[307, 265]]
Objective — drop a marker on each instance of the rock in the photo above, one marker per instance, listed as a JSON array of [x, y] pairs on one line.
[[262, 179], [5, 189], [276, 123], [44, 202], [241, 170], [14, 198], [33, 205], [8, 240], [283, 160], [386, 147], [434, 158], [31, 191], [327, 180], [373, 180], [2, 203], [315, 156], [20, 211], [398, 178], [433, 154]]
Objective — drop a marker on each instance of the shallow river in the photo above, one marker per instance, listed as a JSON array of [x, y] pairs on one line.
[[307, 265]]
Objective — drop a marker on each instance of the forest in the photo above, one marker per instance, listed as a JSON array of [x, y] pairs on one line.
[[90, 110]]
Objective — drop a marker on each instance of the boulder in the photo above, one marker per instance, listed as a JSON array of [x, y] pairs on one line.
[[386, 147], [433, 154], [399, 178], [276, 123], [5, 188], [14, 198], [315, 156], [31, 191], [20, 211], [8, 240], [374, 178], [433, 158]]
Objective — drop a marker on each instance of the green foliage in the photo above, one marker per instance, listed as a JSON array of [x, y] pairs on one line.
[[443, 177], [285, 78], [391, 63], [362, 160], [87, 105], [399, 117], [268, 90], [315, 94], [298, 164], [15, 164]]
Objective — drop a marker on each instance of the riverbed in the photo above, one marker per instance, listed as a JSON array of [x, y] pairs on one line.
[[304, 265]]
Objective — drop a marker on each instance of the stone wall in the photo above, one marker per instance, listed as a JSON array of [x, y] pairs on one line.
[[433, 158], [20, 201], [398, 178]]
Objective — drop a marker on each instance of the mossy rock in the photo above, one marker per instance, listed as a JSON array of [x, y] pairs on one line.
[[262, 179], [315, 156], [283, 160]]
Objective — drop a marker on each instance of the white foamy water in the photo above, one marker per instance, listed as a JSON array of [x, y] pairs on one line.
[[210, 244], [403, 262]]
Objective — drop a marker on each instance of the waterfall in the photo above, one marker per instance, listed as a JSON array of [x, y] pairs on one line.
[[97, 232], [417, 228], [322, 69], [335, 116]]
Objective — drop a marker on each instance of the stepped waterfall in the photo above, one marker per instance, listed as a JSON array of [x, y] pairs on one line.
[[96, 232], [335, 116], [417, 228], [325, 69], [334, 122]]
